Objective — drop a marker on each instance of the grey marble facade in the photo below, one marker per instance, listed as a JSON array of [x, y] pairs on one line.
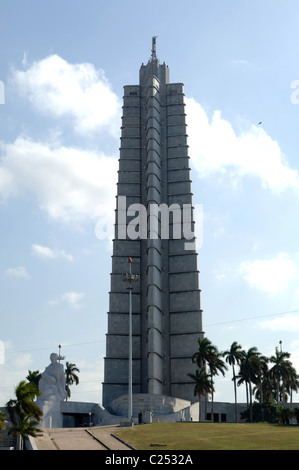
[[167, 316]]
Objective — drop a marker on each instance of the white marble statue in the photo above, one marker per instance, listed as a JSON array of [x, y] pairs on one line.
[[52, 381]]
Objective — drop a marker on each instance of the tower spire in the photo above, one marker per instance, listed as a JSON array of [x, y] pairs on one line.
[[154, 55]]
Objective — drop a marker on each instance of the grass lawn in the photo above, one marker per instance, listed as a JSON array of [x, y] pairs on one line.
[[211, 436]]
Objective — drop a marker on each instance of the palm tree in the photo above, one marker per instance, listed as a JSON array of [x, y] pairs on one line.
[[264, 389], [23, 405], [34, 377], [249, 369], [206, 356], [203, 385], [292, 384], [206, 353], [25, 427], [2, 421], [70, 377], [215, 367], [24, 414], [280, 371], [233, 357], [261, 374]]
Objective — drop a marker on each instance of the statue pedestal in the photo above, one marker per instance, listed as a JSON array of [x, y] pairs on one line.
[[52, 416]]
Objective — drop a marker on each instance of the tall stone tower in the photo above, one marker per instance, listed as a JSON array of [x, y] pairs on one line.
[[154, 175]]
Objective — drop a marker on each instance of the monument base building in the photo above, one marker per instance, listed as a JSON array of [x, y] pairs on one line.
[[154, 229]]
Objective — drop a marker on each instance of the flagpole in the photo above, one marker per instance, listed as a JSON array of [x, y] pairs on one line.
[[130, 278]]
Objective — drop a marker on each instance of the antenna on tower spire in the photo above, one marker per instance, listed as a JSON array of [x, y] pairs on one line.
[[154, 55]]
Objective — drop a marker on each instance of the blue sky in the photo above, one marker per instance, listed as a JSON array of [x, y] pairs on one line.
[[63, 66]]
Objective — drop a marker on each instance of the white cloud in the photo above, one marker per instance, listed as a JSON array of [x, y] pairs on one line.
[[79, 91], [22, 361], [19, 272], [239, 62], [284, 323], [48, 253], [71, 298], [270, 275], [69, 184], [216, 148]]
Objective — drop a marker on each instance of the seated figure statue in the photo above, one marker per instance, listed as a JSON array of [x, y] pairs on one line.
[[52, 381]]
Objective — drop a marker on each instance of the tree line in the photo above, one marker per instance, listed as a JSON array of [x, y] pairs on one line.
[[23, 412], [270, 380]]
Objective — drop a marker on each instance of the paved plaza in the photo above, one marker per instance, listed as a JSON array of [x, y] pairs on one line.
[[94, 438]]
